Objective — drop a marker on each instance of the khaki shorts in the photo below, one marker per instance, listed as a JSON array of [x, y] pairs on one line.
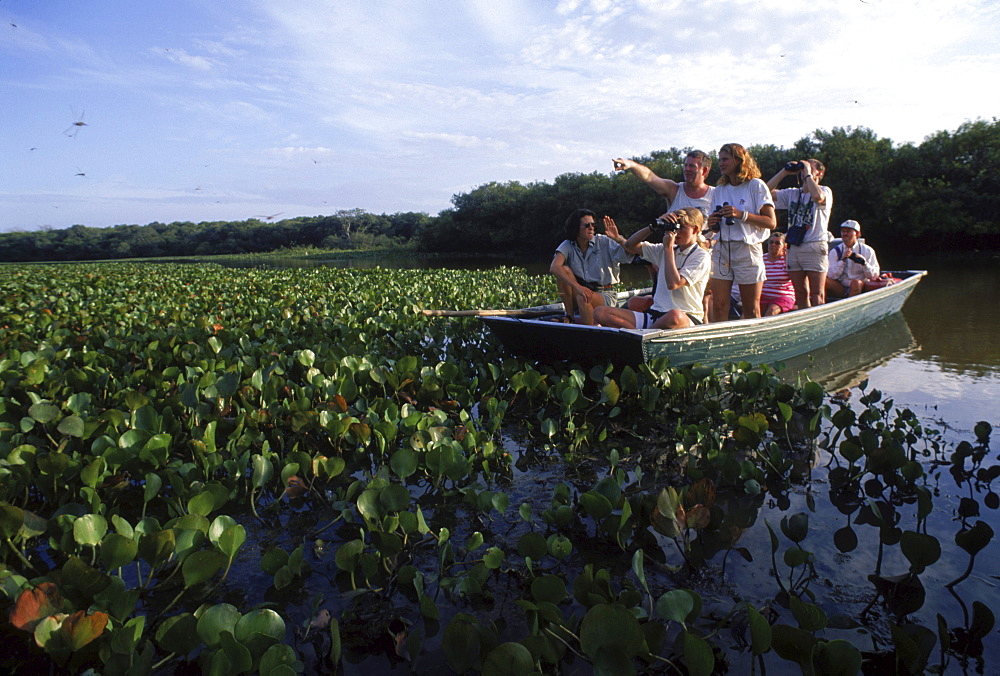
[[738, 262], [808, 257]]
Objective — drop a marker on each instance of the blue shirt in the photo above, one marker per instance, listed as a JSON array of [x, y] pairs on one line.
[[600, 265]]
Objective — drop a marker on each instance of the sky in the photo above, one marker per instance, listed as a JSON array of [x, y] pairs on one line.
[[135, 111]]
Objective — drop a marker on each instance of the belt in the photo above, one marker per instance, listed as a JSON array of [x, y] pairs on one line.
[[598, 287]]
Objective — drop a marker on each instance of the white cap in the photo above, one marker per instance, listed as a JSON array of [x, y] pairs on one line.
[[853, 225]]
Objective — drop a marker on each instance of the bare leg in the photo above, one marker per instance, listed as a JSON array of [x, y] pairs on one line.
[[801, 282], [720, 289], [616, 317], [750, 293], [587, 309], [835, 289], [567, 295], [817, 287]]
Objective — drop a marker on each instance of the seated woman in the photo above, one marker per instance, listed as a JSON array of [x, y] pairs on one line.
[[587, 265], [852, 264], [778, 294]]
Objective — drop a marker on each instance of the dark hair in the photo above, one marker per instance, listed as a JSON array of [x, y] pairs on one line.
[[573, 223]]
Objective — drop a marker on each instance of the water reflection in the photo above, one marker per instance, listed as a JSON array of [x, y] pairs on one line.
[[953, 316], [846, 362]]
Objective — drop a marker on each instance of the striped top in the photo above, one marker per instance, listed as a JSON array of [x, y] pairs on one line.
[[778, 284]]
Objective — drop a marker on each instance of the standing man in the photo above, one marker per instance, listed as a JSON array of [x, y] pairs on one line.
[[684, 265], [691, 192], [808, 236], [587, 265]]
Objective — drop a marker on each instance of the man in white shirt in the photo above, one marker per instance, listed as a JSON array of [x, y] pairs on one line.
[[691, 192], [852, 263]]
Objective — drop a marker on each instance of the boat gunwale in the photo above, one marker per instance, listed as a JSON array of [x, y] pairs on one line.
[[733, 327]]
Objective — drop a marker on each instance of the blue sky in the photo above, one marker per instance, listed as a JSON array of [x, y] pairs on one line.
[[233, 109]]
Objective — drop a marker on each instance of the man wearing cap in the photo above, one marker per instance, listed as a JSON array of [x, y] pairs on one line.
[[852, 263], [808, 236]]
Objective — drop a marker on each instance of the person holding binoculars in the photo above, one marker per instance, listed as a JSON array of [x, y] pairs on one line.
[[808, 236], [743, 217], [683, 266]]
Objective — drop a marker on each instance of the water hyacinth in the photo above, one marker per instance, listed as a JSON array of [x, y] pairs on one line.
[[280, 470]]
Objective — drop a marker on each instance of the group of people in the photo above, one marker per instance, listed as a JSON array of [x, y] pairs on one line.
[[711, 239]]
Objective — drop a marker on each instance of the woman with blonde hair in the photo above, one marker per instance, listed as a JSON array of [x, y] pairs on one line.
[[684, 264], [744, 217]]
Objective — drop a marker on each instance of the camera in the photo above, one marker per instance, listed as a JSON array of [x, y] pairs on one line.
[[795, 167], [857, 259], [660, 227]]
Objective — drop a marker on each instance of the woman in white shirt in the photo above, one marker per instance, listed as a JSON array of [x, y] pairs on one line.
[[744, 217]]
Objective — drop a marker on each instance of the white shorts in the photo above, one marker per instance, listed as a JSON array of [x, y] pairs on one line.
[[738, 262]]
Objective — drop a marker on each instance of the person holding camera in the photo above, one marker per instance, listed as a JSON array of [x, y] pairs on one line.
[[691, 192], [684, 264], [852, 263], [744, 218], [587, 265], [808, 235]]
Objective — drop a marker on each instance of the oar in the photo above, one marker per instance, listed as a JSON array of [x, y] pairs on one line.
[[487, 313]]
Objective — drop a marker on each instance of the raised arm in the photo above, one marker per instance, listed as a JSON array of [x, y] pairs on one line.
[[662, 186]]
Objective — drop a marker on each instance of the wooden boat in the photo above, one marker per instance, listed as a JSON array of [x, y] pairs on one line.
[[762, 340]]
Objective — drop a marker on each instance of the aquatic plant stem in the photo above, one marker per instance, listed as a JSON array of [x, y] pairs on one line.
[[17, 552], [162, 662]]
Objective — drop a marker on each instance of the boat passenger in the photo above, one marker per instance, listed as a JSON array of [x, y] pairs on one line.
[[778, 294], [684, 264], [852, 263], [587, 266], [809, 235], [691, 192], [743, 214]]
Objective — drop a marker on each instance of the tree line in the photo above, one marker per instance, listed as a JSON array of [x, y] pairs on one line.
[[938, 195]]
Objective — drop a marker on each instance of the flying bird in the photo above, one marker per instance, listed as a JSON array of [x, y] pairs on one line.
[[72, 130], [271, 217]]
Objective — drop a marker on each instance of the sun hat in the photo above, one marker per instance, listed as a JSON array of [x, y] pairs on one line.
[[851, 224]]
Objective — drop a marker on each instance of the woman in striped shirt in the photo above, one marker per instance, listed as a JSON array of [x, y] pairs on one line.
[[777, 295]]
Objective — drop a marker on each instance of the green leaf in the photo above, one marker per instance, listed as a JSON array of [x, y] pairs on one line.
[[698, 656], [178, 634], [200, 566], [920, 549], [215, 620], [118, 550], [90, 529], [760, 632], [610, 626], [675, 605], [509, 659]]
